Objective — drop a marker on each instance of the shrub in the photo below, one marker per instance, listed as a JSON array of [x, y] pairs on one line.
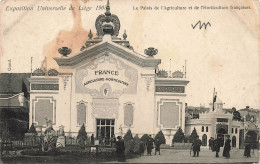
[[136, 143], [82, 136], [178, 136], [128, 140], [32, 129], [193, 135], [186, 139], [161, 138]]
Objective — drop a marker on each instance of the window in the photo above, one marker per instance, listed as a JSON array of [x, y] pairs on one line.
[[222, 120], [236, 130], [207, 128], [128, 114], [202, 129], [105, 128], [81, 113], [232, 130]]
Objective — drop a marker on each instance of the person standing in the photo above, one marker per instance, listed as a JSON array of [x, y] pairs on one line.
[[120, 149], [217, 143], [157, 146], [92, 138], [113, 141], [247, 146], [196, 146], [227, 148], [141, 147], [210, 143], [149, 145]]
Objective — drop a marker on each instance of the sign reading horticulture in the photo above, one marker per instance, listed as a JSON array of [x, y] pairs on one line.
[[108, 70]]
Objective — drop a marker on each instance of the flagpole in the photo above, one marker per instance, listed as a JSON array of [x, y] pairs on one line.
[[31, 64], [213, 99]]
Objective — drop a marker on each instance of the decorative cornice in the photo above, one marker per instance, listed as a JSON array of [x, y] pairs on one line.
[[107, 47], [171, 82], [43, 80]]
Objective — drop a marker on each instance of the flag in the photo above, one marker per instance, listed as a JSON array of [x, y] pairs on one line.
[[214, 99]]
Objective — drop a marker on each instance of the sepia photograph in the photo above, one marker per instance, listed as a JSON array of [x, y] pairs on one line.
[[129, 81]]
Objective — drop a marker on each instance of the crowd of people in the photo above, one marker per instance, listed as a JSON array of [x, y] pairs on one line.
[[150, 144]]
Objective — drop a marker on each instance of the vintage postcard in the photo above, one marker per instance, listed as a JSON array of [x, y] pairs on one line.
[[134, 81]]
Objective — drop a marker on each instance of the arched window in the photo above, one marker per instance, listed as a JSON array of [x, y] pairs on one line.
[[202, 128], [207, 128], [234, 141], [236, 130], [204, 140], [128, 114], [232, 130]]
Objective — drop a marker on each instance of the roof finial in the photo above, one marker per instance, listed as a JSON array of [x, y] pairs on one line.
[[125, 35], [107, 13]]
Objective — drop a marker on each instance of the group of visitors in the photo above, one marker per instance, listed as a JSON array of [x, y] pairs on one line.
[[149, 145], [215, 144]]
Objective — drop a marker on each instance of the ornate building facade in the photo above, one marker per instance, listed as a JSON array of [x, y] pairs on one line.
[[215, 123], [109, 88]]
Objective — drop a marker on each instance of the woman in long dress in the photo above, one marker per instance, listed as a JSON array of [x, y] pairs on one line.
[[227, 148]]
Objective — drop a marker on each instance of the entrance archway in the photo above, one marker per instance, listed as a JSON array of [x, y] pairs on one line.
[[234, 141], [253, 138], [204, 140], [220, 134]]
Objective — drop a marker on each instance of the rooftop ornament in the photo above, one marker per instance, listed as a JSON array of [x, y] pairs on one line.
[[90, 35], [65, 51], [107, 23], [125, 35], [151, 51]]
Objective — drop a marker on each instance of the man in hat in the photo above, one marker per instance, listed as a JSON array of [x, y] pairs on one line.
[[120, 149], [196, 146], [217, 144], [149, 145]]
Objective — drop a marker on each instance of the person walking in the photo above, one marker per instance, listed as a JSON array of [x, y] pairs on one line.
[[217, 144], [196, 146], [227, 148], [120, 149], [149, 145], [157, 146], [212, 144]]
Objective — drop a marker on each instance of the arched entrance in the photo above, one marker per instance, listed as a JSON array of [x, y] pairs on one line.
[[253, 138], [204, 140], [220, 134], [234, 141]]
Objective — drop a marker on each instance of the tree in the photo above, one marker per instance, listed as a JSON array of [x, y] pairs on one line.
[[161, 137], [193, 135], [128, 140], [236, 116], [32, 130], [178, 136], [136, 143], [82, 136]]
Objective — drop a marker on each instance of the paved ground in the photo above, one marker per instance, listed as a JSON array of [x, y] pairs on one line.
[[206, 156]]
